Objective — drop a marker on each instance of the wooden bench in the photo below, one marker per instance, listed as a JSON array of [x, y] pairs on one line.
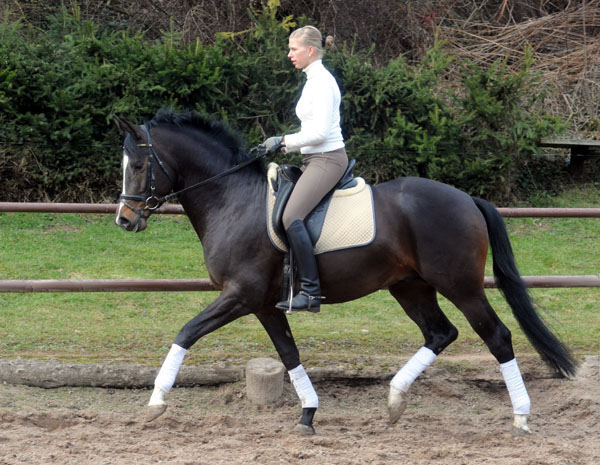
[[579, 149]]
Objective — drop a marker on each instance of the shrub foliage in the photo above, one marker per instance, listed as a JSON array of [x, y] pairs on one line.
[[60, 87]]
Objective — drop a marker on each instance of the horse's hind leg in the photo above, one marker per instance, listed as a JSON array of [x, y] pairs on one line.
[[483, 319], [419, 300]]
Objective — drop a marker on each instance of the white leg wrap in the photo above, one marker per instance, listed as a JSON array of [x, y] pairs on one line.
[[157, 397], [516, 387], [304, 388], [413, 368], [170, 367]]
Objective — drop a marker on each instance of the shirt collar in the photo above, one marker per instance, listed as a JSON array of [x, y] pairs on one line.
[[313, 68]]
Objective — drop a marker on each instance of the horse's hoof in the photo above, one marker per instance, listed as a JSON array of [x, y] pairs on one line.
[[520, 427], [305, 430], [155, 411], [521, 431], [396, 404]]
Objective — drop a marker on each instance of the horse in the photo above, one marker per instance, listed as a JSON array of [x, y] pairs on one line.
[[431, 238]]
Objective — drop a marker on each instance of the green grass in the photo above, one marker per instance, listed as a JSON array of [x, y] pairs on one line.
[[127, 327]]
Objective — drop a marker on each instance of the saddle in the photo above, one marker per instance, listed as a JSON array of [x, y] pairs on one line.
[[283, 184], [345, 218]]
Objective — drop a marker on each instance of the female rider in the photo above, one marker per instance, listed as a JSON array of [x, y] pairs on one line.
[[325, 161]]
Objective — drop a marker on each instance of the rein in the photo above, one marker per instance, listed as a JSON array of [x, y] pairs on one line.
[[152, 201]]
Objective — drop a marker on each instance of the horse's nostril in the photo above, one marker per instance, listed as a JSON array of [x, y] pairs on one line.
[[122, 222]]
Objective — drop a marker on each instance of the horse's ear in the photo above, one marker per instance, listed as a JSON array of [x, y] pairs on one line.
[[129, 127]]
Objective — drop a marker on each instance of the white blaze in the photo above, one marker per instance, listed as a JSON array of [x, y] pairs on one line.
[[125, 165]]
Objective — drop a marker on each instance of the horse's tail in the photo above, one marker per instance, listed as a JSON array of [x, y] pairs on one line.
[[509, 281]]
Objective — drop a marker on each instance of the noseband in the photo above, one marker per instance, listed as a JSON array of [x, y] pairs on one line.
[[151, 201]]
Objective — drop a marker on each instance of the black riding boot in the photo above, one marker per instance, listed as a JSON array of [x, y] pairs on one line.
[[309, 297]]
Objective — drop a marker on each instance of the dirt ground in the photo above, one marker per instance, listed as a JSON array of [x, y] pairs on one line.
[[459, 413]]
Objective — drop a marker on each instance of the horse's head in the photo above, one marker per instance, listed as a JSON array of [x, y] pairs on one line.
[[146, 177]]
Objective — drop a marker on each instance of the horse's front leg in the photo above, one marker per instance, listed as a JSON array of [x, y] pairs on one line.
[[227, 307], [275, 323]]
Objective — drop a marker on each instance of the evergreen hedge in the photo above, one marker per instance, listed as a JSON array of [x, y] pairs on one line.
[[60, 88]]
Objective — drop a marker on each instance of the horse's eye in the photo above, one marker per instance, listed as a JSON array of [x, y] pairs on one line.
[[137, 168]]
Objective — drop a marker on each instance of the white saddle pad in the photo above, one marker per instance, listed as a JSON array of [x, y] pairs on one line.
[[349, 222]]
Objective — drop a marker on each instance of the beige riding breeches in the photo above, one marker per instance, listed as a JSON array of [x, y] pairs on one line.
[[320, 173]]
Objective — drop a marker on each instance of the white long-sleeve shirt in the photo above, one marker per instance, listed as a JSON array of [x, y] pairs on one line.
[[319, 113]]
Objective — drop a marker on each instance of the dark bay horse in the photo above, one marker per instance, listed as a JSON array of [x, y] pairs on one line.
[[431, 238]]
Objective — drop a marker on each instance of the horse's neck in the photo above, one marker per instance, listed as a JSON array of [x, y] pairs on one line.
[[226, 208], [214, 206]]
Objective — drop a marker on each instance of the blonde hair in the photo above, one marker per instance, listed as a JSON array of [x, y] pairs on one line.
[[312, 37]]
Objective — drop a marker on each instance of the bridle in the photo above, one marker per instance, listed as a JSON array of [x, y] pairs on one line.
[[151, 201]]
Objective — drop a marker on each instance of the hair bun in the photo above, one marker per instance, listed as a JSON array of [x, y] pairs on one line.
[[327, 41]]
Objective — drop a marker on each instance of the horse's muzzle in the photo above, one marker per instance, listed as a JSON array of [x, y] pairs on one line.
[[130, 220], [139, 224], [131, 226]]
